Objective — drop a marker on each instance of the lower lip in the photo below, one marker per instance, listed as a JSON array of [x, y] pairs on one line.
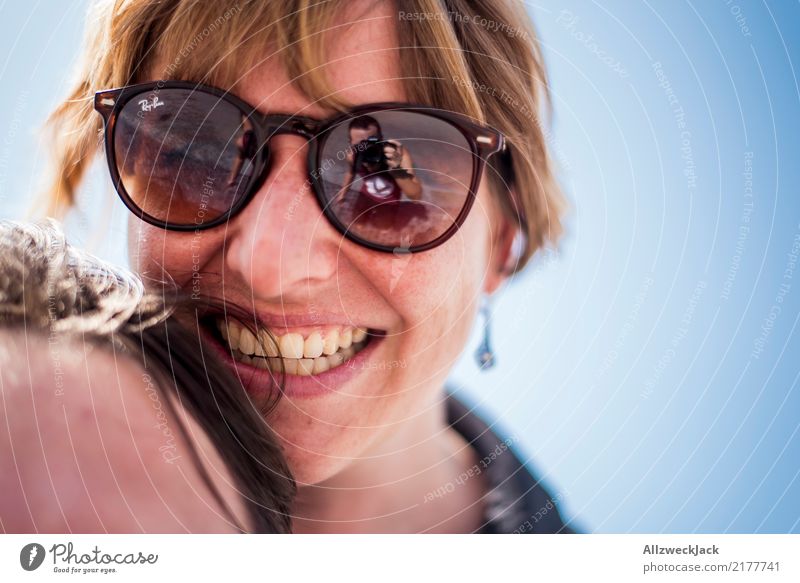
[[261, 382]]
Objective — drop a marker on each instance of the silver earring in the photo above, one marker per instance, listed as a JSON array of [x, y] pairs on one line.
[[485, 355]]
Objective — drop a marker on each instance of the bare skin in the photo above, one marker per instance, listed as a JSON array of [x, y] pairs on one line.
[[87, 445]]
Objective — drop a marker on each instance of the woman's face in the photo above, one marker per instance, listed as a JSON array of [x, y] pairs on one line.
[[281, 259]]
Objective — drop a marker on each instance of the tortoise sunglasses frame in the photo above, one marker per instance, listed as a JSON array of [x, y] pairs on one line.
[[483, 141]]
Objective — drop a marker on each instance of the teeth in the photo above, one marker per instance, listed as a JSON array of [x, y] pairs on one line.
[[269, 346], [321, 364], [359, 334], [331, 343], [313, 346], [233, 335], [302, 366], [292, 353], [335, 359], [292, 345], [346, 338], [290, 365], [305, 366], [247, 342]]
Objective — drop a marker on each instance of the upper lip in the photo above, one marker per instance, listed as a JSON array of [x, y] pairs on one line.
[[305, 320], [311, 318]]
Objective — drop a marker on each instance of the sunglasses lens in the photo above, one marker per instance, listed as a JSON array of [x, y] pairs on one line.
[[184, 157], [396, 178]]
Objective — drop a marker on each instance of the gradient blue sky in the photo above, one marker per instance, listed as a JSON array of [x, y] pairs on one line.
[[649, 367]]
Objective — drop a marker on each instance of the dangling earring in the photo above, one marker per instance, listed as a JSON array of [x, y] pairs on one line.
[[485, 355]]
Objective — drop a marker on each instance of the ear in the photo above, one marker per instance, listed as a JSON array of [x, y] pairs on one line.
[[500, 254]]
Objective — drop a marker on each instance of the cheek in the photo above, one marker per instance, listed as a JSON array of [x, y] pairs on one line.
[[436, 291], [153, 251]]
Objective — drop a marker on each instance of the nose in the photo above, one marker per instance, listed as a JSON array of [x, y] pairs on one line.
[[281, 244]]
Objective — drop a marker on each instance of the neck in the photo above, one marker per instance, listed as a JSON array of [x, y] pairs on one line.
[[406, 484]]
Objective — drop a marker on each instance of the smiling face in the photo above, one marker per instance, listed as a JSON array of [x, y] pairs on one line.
[[319, 293]]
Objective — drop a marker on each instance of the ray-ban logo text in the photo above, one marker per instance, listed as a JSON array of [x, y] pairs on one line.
[[150, 104]]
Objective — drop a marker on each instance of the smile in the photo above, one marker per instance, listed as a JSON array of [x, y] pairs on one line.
[[294, 353]]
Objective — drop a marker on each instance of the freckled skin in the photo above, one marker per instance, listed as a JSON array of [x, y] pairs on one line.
[[273, 260]]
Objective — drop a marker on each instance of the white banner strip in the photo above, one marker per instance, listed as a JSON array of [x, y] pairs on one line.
[[401, 558]]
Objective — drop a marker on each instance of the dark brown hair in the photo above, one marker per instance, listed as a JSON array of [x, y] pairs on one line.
[[364, 122], [46, 284]]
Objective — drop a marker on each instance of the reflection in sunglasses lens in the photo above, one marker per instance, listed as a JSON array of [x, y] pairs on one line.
[[183, 156], [396, 178]]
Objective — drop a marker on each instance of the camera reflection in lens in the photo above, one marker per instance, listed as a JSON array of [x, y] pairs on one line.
[[396, 178]]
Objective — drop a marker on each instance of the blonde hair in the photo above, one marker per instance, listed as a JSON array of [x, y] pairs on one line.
[[477, 57]]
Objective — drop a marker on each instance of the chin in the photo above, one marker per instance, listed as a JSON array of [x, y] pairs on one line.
[[312, 468], [325, 438]]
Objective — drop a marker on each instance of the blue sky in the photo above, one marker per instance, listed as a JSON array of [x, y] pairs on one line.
[[648, 368]]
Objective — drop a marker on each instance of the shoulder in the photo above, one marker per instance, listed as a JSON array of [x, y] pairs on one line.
[[517, 501]]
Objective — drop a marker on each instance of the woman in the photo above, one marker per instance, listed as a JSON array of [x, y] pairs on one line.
[[104, 424], [369, 317]]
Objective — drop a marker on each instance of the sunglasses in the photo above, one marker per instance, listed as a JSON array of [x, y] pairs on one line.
[[389, 176]]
